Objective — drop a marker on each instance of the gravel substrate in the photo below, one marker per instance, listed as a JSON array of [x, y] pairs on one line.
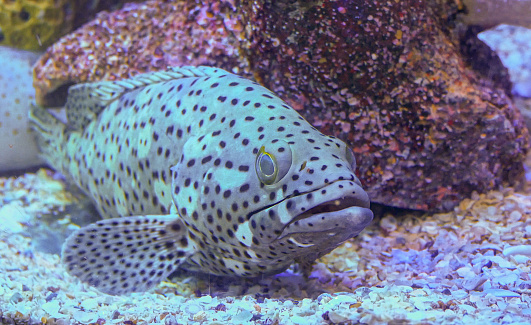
[[464, 267]]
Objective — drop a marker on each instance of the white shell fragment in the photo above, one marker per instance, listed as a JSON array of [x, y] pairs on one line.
[[518, 250], [501, 293]]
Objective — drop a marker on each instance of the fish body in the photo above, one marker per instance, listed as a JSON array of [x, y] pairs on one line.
[[199, 169]]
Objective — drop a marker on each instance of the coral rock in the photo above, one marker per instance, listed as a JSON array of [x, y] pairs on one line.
[[136, 39], [387, 77]]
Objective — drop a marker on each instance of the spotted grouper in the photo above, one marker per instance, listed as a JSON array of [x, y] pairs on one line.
[[198, 169]]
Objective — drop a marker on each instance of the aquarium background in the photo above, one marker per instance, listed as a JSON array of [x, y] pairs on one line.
[[432, 97]]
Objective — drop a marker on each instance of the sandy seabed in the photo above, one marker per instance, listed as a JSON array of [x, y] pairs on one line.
[[468, 266]]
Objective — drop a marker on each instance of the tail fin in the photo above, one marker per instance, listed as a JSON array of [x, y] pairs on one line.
[[49, 135]]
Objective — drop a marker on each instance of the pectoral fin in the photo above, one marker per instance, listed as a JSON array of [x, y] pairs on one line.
[[129, 254]]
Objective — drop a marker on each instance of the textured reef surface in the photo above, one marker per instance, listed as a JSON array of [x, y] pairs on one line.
[[467, 266], [386, 77], [494, 12]]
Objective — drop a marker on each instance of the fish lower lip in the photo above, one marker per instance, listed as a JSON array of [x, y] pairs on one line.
[[349, 221], [332, 206], [343, 209]]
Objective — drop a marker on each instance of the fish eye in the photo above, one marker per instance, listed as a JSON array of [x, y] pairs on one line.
[[266, 167], [273, 161], [350, 158]]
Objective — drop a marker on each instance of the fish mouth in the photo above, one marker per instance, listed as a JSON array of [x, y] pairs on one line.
[[331, 206], [343, 209]]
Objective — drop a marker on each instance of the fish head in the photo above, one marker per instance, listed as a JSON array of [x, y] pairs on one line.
[[317, 200], [256, 209]]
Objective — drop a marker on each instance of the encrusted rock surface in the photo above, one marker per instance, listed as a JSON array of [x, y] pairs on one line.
[[136, 39], [387, 77]]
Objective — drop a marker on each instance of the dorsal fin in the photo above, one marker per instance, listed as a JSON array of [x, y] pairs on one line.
[[86, 101]]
